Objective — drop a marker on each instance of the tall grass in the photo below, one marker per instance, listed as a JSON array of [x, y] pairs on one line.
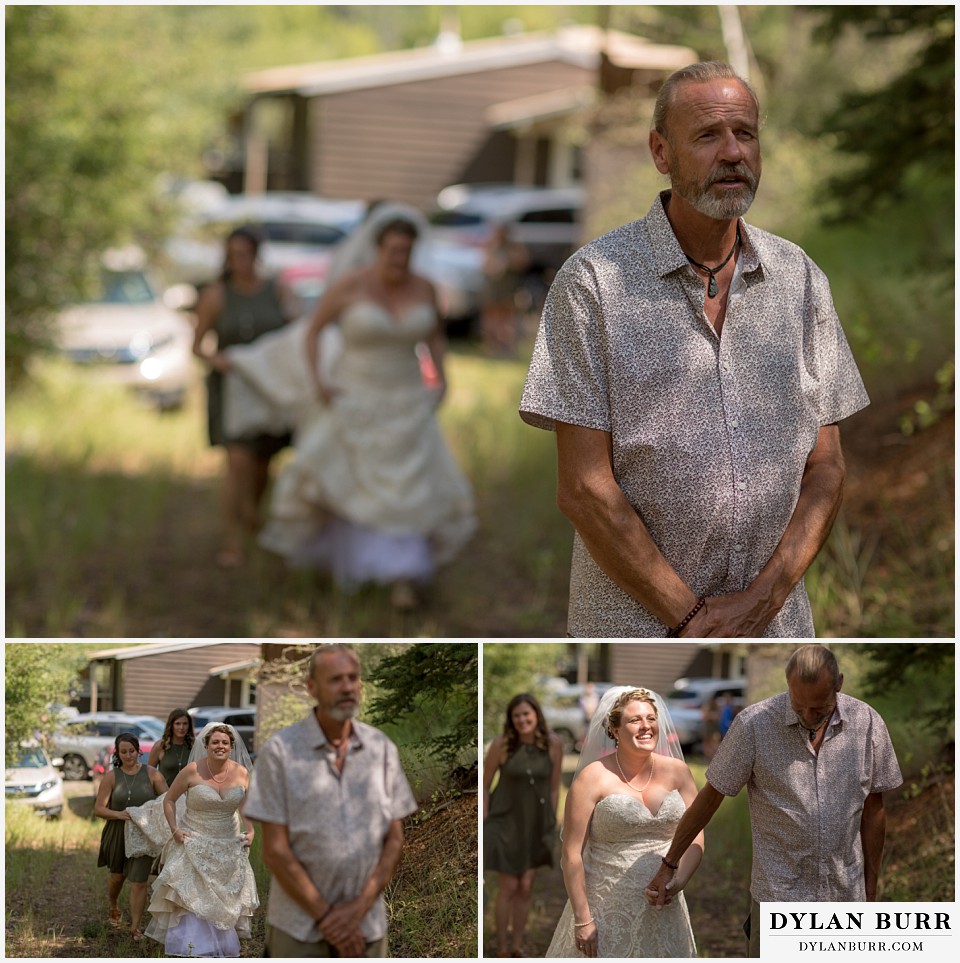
[[113, 521]]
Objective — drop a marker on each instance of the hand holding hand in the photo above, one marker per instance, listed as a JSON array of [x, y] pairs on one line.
[[342, 922], [743, 615], [351, 947], [247, 838], [658, 891]]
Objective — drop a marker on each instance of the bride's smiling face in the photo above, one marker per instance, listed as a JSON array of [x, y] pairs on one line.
[[394, 253], [638, 726], [218, 746]]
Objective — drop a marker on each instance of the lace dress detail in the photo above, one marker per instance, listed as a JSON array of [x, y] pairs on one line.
[[372, 493], [622, 855], [207, 879]]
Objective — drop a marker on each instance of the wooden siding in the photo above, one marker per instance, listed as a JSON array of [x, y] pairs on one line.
[[155, 684], [656, 665], [408, 141]]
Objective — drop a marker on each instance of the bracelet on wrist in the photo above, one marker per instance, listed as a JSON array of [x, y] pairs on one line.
[[675, 632], [326, 913], [584, 923], [673, 866]]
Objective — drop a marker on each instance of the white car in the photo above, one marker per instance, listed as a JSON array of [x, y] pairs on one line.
[[35, 782], [87, 735], [130, 334], [294, 227]]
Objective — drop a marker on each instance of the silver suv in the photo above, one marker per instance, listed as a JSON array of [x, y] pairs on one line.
[[244, 720], [688, 698], [83, 739]]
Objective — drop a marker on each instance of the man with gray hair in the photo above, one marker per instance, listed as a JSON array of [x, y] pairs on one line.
[[815, 763], [694, 371], [330, 795]]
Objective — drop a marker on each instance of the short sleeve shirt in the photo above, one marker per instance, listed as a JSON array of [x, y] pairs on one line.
[[710, 435], [805, 806], [336, 821]]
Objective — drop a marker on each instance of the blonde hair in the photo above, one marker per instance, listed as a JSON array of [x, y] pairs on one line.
[[615, 715]]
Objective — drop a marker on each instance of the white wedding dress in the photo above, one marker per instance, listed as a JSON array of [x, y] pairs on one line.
[[205, 896], [372, 492], [623, 851]]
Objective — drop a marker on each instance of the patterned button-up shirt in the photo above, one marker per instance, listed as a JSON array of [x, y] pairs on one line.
[[805, 806], [710, 434], [336, 821]]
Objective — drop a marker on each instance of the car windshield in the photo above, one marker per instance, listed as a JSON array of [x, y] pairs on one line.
[[299, 232], [123, 287], [31, 759], [683, 695], [455, 219], [150, 728]]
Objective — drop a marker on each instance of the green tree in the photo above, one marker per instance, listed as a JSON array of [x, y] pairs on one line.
[[512, 667], [36, 674], [903, 127], [433, 684], [919, 678], [99, 102]]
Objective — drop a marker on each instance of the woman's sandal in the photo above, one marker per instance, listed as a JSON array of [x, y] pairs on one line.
[[113, 916], [137, 935]]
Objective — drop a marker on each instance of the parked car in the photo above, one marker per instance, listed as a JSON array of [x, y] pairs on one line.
[[244, 720], [294, 227], [687, 700], [544, 220], [563, 714], [82, 743], [35, 781], [130, 334]]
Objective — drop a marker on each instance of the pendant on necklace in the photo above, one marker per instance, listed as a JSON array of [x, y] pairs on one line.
[[712, 289]]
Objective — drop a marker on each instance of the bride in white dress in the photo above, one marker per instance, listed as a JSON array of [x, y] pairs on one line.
[[372, 493], [205, 896], [630, 791]]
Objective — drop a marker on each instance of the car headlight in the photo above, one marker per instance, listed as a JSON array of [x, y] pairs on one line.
[[44, 786]]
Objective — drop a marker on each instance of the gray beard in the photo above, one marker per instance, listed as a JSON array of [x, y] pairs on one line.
[[722, 208], [343, 712]]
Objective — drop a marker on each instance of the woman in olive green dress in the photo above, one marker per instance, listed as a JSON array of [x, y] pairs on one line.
[[171, 752], [520, 815], [238, 308], [129, 783]]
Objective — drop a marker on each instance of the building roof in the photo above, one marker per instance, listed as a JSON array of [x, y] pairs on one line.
[[234, 667], [160, 648], [539, 107], [580, 45]]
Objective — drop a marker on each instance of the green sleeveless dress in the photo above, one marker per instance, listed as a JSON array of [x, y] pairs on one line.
[[519, 832], [244, 318], [128, 791], [174, 759]]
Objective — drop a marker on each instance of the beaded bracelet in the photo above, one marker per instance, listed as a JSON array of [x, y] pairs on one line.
[[586, 923], [674, 633], [663, 859]]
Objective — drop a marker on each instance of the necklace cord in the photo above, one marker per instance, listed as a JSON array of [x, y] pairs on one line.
[[712, 288]]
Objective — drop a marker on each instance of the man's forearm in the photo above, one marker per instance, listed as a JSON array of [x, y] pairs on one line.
[[873, 830], [383, 871], [611, 529], [694, 821], [821, 492], [295, 881], [748, 613]]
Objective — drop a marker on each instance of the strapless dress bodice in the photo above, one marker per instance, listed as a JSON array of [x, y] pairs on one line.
[[212, 814], [623, 825]]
